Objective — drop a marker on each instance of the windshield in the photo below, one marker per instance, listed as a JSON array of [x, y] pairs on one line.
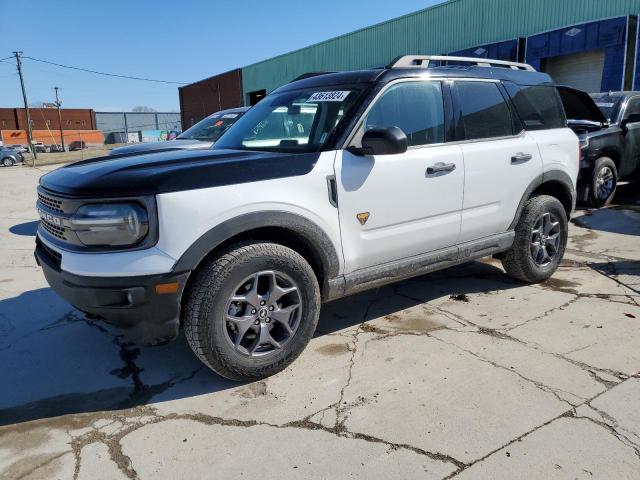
[[609, 105], [211, 128], [294, 121]]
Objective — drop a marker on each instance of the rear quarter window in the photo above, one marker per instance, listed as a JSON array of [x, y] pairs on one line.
[[539, 107]]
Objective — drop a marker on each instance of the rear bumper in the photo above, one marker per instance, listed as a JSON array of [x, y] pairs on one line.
[[129, 303]]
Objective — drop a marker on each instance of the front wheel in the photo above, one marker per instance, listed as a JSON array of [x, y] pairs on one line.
[[604, 181], [251, 311], [7, 162], [540, 240]]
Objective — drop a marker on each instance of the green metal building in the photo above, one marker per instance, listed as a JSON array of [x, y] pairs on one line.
[[589, 44]]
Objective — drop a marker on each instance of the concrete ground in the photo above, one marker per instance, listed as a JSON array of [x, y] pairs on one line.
[[464, 373]]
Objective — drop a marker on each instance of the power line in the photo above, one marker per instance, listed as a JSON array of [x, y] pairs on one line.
[[102, 73], [6, 58]]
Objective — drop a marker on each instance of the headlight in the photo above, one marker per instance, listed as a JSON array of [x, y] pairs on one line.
[[113, 225]]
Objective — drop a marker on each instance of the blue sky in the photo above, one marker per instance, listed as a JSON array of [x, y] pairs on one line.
[[182, 41]]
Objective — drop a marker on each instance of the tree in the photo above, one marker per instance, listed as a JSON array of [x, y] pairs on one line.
[[143, 108]]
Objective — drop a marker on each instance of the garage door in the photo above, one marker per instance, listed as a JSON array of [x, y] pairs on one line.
[[579, 70]]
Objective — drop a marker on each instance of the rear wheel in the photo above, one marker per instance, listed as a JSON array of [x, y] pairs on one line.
[[604, 181], [7, 162], [251, 311], [540, 240]]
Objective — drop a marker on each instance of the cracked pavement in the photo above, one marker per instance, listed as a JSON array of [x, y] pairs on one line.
[[459, 374]]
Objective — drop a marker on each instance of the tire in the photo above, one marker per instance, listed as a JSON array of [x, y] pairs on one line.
[[208, 307], [603, 184], [7, 162], [519, 261]]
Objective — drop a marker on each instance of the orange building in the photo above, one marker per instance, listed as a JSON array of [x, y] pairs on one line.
[[52, 137], [77, 124]]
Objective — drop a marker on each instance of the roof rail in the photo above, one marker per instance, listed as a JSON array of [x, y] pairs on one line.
[[422, 61]]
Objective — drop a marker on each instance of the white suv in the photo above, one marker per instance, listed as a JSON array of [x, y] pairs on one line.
[[332, 184]]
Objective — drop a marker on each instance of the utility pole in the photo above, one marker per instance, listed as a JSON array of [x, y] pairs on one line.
[[58, 103], [26, 108]]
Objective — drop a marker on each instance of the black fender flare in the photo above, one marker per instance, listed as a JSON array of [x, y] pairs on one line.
[[314, 236], [552, 175]]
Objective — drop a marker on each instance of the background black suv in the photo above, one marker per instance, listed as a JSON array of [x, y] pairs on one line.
[[608, 125]]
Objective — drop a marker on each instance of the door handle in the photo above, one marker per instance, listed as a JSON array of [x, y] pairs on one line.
[[521, 158], [441, 167]]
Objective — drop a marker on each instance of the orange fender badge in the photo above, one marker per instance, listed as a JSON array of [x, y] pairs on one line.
[[363, 217]]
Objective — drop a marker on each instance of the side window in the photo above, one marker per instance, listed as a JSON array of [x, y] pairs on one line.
[[539, 107], [415, 107], [485, 114]]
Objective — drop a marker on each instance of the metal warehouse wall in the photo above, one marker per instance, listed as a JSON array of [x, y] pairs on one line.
[[443, 28], [120, 122]]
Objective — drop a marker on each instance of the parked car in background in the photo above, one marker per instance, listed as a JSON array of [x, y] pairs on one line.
[[38, 147], [598, 144], [202, 135], [55, 148], [20, 148], [609, 127], [10, 156], [77, 145]]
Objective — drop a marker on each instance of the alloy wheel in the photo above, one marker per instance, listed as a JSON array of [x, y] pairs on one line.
[[545, 239], [263, 313], [605, 182]]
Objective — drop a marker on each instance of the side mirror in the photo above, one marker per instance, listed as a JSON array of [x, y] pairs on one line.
[[382, 141], [633, 118]]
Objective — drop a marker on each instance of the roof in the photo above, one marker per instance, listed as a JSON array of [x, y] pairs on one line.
[[521, 77], [338, 78], [234, 110]]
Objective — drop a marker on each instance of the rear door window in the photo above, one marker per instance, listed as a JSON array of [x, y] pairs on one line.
[[539, 106], [485, 113]]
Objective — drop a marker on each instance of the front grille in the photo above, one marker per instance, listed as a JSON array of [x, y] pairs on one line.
[[54, 230], [51, 203], [54, 257]]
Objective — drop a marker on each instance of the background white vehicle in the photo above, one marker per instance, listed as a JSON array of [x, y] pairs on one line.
[[330, 185], [201, 135]]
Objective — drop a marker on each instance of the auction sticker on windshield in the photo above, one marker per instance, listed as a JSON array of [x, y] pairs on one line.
[[328, 97]]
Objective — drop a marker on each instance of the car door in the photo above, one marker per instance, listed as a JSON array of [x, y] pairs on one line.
[[630, 161], [396, 206], [501, 160]]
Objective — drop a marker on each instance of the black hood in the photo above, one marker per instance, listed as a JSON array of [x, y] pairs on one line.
[[176, 144], [171, 171]]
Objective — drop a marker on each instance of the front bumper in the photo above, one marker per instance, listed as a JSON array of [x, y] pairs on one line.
[[129, 303]]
